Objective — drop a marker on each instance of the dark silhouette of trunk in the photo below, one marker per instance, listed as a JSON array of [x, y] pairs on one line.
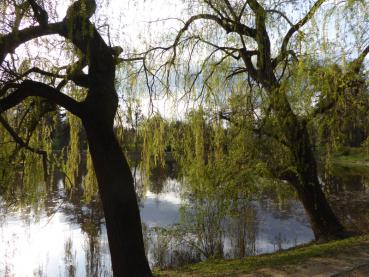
[[115, 181], [323, 221], [304, 178], [119, 201]]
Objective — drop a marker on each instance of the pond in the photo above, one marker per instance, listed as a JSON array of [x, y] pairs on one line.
[[64, 236]]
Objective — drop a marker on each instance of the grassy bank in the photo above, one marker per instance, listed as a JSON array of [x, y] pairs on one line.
[[250, 264], [350, 156]]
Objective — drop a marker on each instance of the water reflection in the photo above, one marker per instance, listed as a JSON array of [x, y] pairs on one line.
[[67, 237], [63, 238]]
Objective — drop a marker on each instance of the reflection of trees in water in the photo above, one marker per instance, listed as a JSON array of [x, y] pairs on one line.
[[157, 178], [87, 214], [211, 226], [39, 272], [69, 259], [347, 189], [171, 247], [353, 210], [53, 198], [91, 218], [337, 184], [242, 229], [160, 243], [206, 227], [281, 241], [92, 254]]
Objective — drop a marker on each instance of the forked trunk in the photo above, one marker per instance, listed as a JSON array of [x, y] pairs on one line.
[[119, 201]]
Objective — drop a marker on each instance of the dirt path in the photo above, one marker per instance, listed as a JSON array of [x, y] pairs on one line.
[[351, 261]]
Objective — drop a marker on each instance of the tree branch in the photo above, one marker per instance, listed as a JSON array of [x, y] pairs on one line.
[[231, 10], [23, 144], [228, 25], [281, 14], [18, 139], [40, 14], [32, 88], [257, 131], [11, 41], [265, 72], [358, 62], [282, 55]]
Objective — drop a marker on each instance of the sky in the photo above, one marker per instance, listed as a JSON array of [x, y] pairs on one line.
[[135, 25], [134, 21]]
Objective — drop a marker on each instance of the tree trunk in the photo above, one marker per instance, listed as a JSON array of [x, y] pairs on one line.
[[323, 221], [304, 179], [119, 201]]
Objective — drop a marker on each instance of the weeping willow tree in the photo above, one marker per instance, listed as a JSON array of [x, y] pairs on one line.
[[70, 45], [262, 42], [222, 168]]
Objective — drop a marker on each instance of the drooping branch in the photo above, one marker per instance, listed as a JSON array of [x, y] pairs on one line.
[[230, 26], [73, 73], [235, 72], [32, 88], [18, 139], [25, 145], [351, 81], [28, 72], [38, 70], [256, 131], [230, 51]]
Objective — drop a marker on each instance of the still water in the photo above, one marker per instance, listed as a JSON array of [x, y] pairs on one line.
[[66, 237]]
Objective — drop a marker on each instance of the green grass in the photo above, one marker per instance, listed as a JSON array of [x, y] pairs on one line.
[[352, 156], [247, 265]]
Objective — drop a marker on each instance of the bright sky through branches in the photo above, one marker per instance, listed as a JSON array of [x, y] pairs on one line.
[[137, 25]]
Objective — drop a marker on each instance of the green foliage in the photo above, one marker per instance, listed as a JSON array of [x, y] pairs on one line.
[[89, 184], [23, 172], [153, 133], [73, 160], [333, 100]]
